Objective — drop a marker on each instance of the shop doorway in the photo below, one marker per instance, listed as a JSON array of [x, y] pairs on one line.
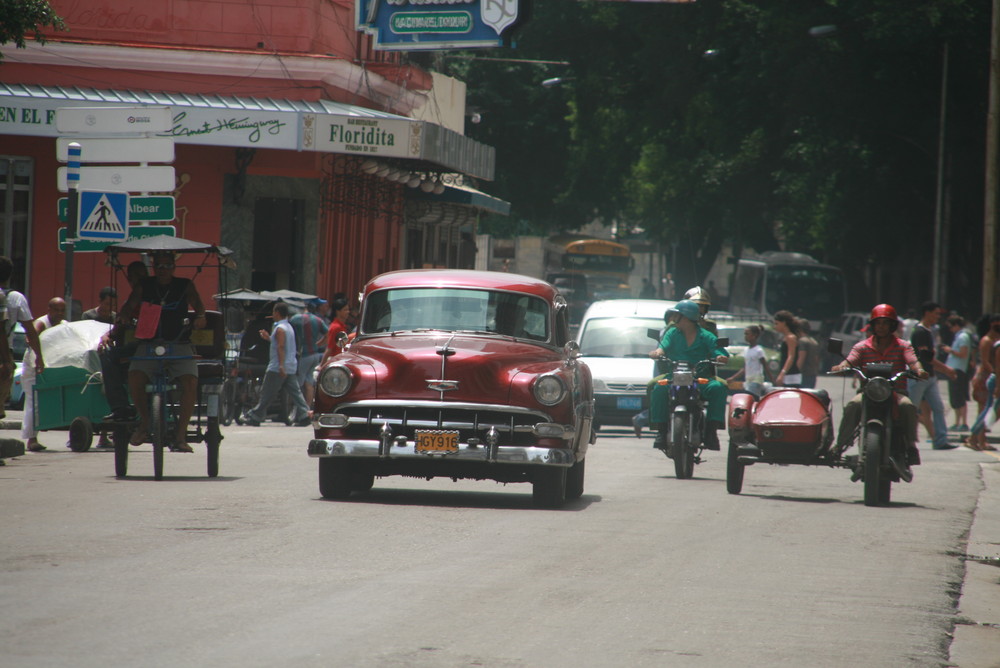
[[277, 244], [15, 213]]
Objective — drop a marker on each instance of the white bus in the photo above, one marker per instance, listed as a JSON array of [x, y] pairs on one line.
[[795, 282]]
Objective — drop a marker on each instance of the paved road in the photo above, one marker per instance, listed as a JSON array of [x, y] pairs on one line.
[[254, 569]]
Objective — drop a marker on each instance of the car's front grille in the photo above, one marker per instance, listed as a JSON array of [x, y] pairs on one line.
[[628, 388], [471, 420]]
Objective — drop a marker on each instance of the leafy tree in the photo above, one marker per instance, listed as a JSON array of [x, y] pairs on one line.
[[732, 121], [20, 17]]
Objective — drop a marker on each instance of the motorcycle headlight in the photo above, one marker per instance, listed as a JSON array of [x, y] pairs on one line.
[[683, 378], [878, 389], [335, 381], [549, 390]]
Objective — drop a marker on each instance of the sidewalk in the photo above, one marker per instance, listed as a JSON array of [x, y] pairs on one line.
[[976, 641]]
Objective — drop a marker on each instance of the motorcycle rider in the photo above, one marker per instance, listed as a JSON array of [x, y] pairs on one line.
[[882, 346], [700, 296], [688, 341]]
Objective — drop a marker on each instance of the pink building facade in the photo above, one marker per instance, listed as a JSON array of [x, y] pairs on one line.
[[295, 141]]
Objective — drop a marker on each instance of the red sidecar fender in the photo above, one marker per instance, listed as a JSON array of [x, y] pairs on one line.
[[792, 416], [741, 408]]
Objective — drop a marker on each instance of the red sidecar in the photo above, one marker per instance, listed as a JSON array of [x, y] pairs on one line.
[[785, 426]]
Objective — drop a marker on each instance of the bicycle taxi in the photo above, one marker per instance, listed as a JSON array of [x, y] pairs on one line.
[[207, 349]]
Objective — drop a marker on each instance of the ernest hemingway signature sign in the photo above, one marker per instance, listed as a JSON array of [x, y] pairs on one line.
[[437, 24], [219, 127]]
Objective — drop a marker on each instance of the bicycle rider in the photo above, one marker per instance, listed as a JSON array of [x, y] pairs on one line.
[[174, 296]]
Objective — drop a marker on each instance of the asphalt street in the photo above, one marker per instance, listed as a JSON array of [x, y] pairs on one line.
[[253, 568]]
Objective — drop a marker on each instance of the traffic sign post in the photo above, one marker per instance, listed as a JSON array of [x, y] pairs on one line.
[[111, 135], [103, 215], [73, 180]]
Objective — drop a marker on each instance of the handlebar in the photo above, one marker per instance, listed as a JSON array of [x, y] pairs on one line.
[[856, 371]]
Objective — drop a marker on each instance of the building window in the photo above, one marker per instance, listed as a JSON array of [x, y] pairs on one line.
[[16, 179]]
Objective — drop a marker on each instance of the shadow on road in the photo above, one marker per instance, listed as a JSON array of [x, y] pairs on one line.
[[459, 499]]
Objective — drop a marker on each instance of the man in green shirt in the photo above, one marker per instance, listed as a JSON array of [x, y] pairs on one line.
[[688, 342]]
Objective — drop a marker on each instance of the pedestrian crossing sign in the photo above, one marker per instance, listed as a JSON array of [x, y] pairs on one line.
[[103, 216]]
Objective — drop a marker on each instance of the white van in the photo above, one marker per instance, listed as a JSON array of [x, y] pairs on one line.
[[615, 344]]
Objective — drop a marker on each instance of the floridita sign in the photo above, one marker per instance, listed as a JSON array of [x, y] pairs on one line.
[[408, 25], [382, 137]]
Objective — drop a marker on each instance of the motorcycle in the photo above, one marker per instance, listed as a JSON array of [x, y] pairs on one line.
[[795, 426], [685, 425]]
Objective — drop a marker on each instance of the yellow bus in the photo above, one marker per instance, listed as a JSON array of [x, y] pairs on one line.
[[606, 264]]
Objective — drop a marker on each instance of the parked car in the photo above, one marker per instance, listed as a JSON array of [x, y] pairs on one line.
[[849, 329], [732, 327], [457, 374], [615, 344], [16, 399]]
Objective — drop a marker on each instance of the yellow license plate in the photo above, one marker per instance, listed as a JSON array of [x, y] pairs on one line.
[[436, 441]]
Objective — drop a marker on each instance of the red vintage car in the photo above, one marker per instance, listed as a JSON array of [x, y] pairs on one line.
[[460, 374]]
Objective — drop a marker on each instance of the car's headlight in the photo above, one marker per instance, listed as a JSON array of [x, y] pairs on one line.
[[878, 389], [600, 385], [549, 390], [335, 381]]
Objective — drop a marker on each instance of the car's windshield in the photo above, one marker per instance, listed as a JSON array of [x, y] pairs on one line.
[[618, 337], [453, 309]]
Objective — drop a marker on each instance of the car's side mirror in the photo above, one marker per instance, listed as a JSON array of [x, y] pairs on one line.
[[571, 350], [342, 339]]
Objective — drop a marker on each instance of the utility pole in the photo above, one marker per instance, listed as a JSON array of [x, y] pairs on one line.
[[991, 303], [938, 277]]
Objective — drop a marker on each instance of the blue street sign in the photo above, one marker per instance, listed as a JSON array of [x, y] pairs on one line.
[[103, 216]]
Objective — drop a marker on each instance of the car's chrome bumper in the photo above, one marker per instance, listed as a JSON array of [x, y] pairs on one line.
[[480, 452]]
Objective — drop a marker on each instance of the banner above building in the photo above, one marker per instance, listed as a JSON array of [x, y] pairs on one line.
[[415, 25]]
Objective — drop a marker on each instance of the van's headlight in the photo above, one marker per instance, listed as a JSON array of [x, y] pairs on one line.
[[549, 390], [335, 381]]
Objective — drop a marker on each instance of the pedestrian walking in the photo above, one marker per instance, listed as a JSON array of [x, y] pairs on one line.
[[280, 373], [925, 345], [959, 352]]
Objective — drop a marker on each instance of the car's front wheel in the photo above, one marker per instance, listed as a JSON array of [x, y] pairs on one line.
[[336, 479], [574, 480], [548, 487]]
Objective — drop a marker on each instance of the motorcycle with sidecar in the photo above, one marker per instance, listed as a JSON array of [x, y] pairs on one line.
[[795, 426]]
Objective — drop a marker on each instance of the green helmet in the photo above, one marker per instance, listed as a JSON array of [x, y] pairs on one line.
[[688, 309]]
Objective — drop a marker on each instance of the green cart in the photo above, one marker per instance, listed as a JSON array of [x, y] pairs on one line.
[[71, 398]]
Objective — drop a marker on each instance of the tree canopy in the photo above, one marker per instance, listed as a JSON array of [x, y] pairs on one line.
[[809, 125], [18, 18]]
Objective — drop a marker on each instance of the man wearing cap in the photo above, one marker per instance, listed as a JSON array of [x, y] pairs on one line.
[[310, 336], [687, 341], [170, 297]]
